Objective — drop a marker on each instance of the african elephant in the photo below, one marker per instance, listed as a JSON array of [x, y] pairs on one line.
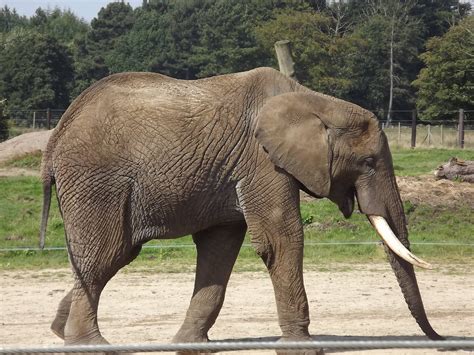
[[141, 156]]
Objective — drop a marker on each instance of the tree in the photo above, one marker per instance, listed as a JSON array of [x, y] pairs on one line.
[[191, 39], [322, 59], [94, 52], [160, 40], [227, 40], [390, 61], [36, 71], [112, 22], [447, 82], [64, 26], [401, 39], [9, 19], [437, 16]]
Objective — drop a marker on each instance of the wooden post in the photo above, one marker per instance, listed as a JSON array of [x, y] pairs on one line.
[[413, 129], [34, 119], [461, 128], [399, 133], [285, 59], [48, 118]]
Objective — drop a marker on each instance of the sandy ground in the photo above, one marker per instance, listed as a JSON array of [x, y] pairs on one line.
[[143, 307], [24, 144]]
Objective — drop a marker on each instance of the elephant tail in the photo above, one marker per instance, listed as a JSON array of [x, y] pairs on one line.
[[48, 182]]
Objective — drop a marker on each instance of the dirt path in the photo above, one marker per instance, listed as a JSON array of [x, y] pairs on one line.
[[144, 307]]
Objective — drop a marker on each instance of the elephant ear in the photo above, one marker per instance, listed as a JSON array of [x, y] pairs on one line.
[[296, 140]]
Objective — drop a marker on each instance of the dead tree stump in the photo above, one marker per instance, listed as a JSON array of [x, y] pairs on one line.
[[285, 59], [456, 169]]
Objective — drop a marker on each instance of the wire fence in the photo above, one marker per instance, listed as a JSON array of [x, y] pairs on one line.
[[405, 130], [245, 245], [36, 119], [435, 135], [464, 344]]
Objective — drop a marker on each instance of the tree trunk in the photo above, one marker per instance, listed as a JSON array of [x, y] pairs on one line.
[[390, 100], [456, 169]]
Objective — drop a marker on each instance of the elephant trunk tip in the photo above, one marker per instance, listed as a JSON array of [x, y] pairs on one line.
[[431, 333]]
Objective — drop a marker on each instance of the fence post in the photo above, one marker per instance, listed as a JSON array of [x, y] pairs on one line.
[[461, 128], [429, 135], [399, 133], [285, 59], [34, 119], [48, 118], [413, 129]]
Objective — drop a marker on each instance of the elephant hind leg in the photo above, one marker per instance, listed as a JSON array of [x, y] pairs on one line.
[[217, 250], [81, 326], [62, 314]]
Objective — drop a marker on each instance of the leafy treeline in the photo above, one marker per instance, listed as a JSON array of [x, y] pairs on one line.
[[382, 54]]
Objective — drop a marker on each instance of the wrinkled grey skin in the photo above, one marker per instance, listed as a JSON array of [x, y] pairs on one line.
[[140, 156]]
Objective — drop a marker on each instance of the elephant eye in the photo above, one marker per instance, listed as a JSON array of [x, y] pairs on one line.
[[370, 162]]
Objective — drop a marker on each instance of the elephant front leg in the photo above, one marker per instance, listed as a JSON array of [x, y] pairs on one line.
[[217, 250], [276, 231], [282, 253]]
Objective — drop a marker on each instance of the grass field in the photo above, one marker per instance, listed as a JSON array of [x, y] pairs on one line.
[[20, 208]]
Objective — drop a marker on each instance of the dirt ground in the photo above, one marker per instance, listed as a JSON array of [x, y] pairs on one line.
[[24, 144], [364, 303]]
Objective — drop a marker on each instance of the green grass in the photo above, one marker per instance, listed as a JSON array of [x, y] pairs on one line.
[[420, 161], [27, 161], [20, 209]]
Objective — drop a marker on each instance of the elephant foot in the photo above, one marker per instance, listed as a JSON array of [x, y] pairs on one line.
[[92, 338], [190, 335], [299, 352]]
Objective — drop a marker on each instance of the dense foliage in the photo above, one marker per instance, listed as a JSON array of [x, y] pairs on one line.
[[382, 54], [447, 82]]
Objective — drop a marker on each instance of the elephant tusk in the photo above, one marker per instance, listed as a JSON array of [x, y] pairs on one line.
[[387, 235]]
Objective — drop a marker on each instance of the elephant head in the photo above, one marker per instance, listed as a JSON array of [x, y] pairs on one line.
[[336, 150]]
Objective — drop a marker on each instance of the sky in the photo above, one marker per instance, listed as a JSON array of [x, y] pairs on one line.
[[87, 9]]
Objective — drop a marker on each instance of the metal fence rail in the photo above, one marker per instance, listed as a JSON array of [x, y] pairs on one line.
[[251, 345]]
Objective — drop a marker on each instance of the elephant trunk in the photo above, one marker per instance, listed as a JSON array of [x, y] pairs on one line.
[[379, 198], [403, 269]]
